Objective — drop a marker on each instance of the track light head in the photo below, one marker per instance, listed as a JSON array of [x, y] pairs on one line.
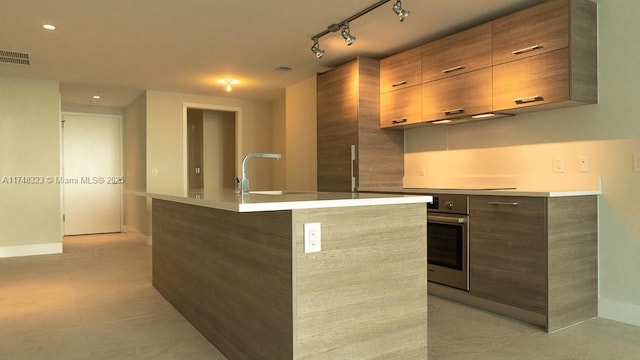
[[316, 50], [346, 34], [402, 13]]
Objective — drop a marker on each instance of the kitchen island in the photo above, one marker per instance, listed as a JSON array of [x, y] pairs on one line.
[[235, 267]]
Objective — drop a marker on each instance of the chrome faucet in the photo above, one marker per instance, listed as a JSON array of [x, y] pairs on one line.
[[245, 179]]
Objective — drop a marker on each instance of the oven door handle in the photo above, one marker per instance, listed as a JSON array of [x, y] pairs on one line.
[[447, 219]]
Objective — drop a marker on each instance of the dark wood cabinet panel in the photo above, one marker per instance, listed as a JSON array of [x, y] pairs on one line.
[[507, 247], [349, 118], [457, 54]]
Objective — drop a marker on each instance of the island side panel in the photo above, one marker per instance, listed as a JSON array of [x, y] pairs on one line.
[[228, 274], [573, 261], [364, 296]]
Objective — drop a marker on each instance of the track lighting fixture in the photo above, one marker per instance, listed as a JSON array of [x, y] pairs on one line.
[[319, 52], [402, 13], [343, 26], [346, 35]]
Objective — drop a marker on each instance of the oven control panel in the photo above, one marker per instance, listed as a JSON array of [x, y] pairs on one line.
[[449, 203]]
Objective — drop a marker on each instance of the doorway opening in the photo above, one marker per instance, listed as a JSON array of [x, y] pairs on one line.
[[211, 148]]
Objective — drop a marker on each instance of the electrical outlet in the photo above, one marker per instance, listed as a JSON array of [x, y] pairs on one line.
[[312, 237], [559, 164], [636, 162], [583, 163], [421, 170]]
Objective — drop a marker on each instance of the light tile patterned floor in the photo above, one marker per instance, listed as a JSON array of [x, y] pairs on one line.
[[96, 302]]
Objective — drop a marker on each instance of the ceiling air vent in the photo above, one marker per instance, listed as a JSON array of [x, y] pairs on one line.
[[12, 57]]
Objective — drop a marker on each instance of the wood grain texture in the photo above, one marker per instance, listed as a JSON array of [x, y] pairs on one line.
[[583, 41], [364, 295], [508, 251], [545, 75], [402, 70], [470, 91], [395, 106], [573, 260], [349, 114], [229, 274], [469, 49], [545, 25]]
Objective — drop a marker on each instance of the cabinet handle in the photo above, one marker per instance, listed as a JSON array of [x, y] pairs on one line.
[[526, 50], [452, 69], [403, 120], [502, 203], [529, 99], [400, 83], [353, 166], [454, 111]]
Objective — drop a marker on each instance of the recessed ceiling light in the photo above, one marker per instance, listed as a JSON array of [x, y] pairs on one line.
[[96, 97], [49, 27]]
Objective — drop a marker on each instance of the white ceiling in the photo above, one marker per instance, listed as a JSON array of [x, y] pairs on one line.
[[121, 47]]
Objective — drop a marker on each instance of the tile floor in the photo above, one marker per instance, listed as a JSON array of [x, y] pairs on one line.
[[96, 302]]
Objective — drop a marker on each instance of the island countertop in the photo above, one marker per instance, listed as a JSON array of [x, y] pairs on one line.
[[287, 200]]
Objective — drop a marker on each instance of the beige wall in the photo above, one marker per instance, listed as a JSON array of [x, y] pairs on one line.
[[301, 136], [165, 143], [30, 215], [524, 147], [137, 209]]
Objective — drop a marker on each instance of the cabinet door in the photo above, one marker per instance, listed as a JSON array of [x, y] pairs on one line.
[[536, 80], [533, 31], [456, 54], [401, 107], [507, 250], [461, 95], [337, 126], [400, 70]]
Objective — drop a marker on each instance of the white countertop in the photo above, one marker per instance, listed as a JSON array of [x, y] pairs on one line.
[[503, 192], [266, 201]]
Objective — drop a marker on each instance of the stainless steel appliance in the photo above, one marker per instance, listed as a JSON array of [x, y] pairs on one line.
[[448, 240]]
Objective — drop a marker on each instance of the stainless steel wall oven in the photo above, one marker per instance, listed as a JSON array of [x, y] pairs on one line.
[[448, 240]]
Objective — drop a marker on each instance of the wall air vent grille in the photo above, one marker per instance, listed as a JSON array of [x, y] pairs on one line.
[[12, 57]]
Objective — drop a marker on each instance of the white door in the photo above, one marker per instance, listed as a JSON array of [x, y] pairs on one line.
[[92, 173]]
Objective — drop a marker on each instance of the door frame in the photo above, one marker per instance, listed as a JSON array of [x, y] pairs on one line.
[[185, 150], [121, 167]]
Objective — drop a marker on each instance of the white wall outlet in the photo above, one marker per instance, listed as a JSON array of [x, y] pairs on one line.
[[422, 170], [312, 237], [636, 162], [154, 171], [583, 163], [559, 164]]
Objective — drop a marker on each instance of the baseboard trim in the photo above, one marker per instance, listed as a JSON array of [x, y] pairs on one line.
[[619, 311], [28, 250]]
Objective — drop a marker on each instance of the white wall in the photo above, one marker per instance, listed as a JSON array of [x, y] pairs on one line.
[[165, 138], [30, 215], [524, 147], [137, 209]]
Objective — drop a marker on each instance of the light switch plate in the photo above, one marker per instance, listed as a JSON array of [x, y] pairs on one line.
[[583, 163], [636, 162]]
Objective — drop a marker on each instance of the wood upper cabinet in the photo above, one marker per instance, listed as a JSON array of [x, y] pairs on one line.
[[401, 70], [401, 107], [352, 149], [456, 96], [532, 31], [546, 56], [456, 54]]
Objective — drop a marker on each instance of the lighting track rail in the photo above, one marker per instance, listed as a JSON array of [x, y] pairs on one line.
[[343, 26]]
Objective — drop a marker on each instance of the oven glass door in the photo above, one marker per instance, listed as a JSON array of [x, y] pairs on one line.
[[446, 245]]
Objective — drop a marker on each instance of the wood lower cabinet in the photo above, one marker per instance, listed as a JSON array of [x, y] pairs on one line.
[[457, 54], [461, 95], [353, 150], [536, 254]]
